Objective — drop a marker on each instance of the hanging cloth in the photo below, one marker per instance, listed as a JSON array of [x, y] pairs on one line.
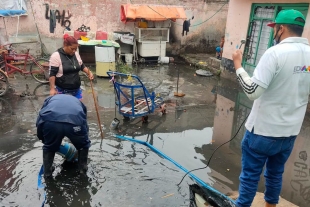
[[186, 25], [52, 21]]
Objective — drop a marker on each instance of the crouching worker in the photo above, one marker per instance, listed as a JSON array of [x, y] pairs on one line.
[[63, 115]]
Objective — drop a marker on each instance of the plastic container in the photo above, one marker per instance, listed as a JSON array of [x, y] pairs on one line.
[[104, 54], [78, 34], [163, 60], [114, 123], [142, 24], [128, 58], [68, 151], [103, 68], [100, 35]]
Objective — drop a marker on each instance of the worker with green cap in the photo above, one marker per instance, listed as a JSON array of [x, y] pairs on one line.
[[280, 88]]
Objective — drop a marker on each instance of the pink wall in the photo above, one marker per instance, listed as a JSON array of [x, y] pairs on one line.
[[105, 15], [238, 20]]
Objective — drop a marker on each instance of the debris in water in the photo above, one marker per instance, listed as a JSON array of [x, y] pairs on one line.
[[204, 73], [168, 195]]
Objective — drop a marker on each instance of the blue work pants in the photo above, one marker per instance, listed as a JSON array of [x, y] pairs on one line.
[[258, 151], [54, 132]]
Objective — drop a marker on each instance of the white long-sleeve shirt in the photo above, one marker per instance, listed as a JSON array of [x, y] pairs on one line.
[[280, 87]]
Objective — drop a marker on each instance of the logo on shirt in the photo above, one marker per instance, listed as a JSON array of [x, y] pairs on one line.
[[77, 129], [302, 69]]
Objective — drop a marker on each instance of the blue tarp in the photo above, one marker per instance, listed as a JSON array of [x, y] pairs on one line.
[[10, 8], [7, 13]]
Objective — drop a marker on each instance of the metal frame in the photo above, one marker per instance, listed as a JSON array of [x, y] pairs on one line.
[[141, 106]]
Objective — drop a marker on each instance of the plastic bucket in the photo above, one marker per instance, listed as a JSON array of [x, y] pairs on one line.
[[67, 151], [128, 57], [163, 60], [114, 123], [100, 35]]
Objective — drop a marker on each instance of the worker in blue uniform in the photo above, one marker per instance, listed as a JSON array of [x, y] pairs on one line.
[[63, 115]]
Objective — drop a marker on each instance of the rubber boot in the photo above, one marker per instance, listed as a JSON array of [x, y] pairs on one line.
[[83, 155], [48, 158], [270, 205]]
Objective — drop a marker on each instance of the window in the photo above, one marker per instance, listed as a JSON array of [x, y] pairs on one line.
[[260, 36]]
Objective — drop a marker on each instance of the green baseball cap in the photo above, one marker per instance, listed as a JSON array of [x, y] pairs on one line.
[[288, 17]]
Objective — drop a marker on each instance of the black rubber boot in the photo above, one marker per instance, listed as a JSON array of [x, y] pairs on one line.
[[83, 155], [48, 158]]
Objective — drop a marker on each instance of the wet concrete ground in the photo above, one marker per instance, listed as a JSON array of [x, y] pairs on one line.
[[124, 173]]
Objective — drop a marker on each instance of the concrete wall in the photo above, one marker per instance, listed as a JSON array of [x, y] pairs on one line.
[[207, 34], [238, 19], [105, 15]]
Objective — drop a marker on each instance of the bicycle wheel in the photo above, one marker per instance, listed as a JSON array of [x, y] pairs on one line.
[[4, 84], [41, 91], [39, 70], [2, 64]]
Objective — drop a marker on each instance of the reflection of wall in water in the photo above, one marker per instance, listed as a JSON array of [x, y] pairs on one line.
[[224, 113], [223, 120], [242, 109]]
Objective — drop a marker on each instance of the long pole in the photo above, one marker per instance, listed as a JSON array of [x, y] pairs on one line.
[[96, 106], [178, 80]]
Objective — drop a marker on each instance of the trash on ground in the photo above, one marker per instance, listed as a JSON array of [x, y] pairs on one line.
[[166, 196], [204, 73]]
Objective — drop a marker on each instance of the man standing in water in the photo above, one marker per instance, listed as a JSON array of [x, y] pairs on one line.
[[63, 115], [280, 87]]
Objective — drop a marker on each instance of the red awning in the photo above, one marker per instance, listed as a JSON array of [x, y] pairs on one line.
[[131, 12]]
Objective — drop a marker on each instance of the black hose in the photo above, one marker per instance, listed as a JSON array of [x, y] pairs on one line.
[[215, 151]]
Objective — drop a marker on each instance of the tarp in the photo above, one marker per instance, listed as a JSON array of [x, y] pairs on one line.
[[12, 8], [131, 12]]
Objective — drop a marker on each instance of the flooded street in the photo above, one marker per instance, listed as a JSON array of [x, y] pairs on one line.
[[123, 173]]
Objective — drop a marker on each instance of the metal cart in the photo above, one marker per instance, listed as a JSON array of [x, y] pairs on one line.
[[133, 99]]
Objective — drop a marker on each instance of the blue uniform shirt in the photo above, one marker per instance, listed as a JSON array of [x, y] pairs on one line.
[[63, 108]]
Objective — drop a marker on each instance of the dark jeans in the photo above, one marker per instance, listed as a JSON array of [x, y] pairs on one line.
[[54, 132], [258, 151]]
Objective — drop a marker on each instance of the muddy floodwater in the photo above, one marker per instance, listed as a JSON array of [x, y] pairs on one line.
[[123, 173]]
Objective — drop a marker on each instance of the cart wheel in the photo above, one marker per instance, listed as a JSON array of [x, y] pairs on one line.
[[145, 119], [126, 118]]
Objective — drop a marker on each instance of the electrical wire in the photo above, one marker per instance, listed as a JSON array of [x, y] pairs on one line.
[[195, 24], [215, 151]]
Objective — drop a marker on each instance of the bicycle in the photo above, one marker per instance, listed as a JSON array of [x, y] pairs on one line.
[[38, 69], [4, 84]]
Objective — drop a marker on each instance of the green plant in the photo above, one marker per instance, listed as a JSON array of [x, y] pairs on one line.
[[124, 68]]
